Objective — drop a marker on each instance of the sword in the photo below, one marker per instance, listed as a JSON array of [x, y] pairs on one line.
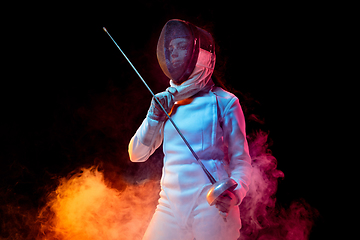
[[217, 188]]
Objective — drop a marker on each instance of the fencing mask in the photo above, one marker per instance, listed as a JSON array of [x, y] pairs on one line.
[[179, 46]]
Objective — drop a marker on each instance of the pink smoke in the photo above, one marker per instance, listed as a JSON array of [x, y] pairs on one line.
[[261, 218], [85, 206]]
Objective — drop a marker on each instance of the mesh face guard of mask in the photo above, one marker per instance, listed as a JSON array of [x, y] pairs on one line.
[[178, 48]]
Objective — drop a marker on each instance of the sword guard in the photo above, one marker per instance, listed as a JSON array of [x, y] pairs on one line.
[[218, 188]]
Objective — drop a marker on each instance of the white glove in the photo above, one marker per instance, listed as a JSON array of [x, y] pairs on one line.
[[166, 99]]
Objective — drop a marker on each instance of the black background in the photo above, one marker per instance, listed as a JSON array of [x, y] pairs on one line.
[[70, 99]]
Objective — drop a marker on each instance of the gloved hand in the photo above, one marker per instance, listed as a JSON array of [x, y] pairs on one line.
[[226, 202], [166, 99]]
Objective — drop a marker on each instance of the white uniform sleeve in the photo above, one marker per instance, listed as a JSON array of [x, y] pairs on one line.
[[238, 149], [146, 140]]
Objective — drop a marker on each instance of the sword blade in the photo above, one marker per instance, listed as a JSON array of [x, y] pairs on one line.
[[208, 174]]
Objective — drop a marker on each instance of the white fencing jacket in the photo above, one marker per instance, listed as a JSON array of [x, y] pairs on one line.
[[213, 123]]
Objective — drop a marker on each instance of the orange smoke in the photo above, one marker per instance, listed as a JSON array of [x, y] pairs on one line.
[[84, 207]]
